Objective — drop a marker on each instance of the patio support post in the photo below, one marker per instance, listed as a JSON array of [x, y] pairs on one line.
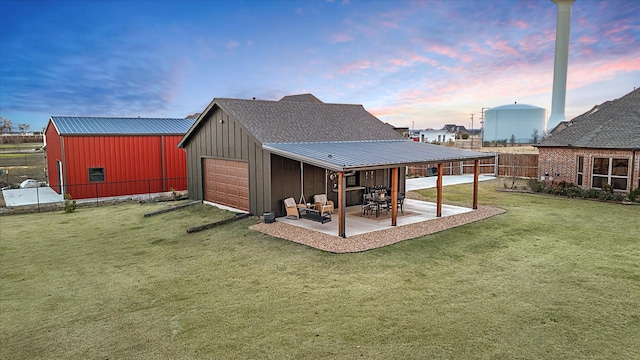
[[439, 188], [341, 206], [476, 175], [394, 196]]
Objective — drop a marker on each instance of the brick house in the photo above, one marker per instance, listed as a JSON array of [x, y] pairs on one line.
[[601, 146]]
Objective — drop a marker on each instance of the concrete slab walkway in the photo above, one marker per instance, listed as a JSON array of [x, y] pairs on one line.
[[430, 181], [31, 196]]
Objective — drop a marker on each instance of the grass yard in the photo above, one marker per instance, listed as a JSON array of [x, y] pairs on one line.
[[551, 278], [22, 162]]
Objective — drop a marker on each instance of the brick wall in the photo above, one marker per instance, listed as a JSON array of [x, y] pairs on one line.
[[560, 164]]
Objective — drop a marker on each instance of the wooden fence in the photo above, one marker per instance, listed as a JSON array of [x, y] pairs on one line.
[[519, 165]]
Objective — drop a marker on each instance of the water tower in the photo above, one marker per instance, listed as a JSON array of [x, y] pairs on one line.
[[561, 63], [519, 120]]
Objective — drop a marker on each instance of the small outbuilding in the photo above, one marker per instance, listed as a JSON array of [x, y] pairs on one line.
[[253, 154], [89, 157], [599, 147]]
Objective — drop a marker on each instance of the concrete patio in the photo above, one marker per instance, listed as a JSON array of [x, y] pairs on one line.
[[415, 211]]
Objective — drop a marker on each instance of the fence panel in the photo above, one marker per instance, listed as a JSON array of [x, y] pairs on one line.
[[519, 165]]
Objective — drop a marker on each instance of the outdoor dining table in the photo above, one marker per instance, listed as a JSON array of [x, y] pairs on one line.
[[380, 202]]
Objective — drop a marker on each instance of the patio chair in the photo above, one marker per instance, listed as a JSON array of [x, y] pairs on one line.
[[292, 208], [322, 204], [368, 206]]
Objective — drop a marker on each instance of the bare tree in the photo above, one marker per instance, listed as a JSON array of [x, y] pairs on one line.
[[6, 125], [535, 137], [23, 128], [512, 140]]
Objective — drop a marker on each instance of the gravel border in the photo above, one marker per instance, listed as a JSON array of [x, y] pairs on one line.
[[375, 239]]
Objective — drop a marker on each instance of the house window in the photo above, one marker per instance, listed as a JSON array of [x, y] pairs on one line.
[[96, 174], [352, 181], [580, 170], [610, 171]]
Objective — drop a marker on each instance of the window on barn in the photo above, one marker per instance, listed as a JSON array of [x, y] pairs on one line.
[[580, 170], [610, 171], [96, 174]]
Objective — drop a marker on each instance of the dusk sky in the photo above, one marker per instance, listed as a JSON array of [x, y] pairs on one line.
[[411, 63]]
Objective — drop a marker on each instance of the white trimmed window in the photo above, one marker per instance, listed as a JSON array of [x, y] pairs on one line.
[[580, 170], [612, 171]]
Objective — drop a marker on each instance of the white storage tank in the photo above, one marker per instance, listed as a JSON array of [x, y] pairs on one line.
[[519, 120]]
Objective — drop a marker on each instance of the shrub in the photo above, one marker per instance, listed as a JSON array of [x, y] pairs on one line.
[[570, 190], [69, 204], [535, 185]]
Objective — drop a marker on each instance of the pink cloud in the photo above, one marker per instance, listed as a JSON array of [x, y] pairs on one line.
[[443, 50], [519, 24], [617, 30], [232, 44], [502, 46], [412, 59], [582, 74], [354, 66], [587, 40], [389, 24], [341, 38], [536, 41]]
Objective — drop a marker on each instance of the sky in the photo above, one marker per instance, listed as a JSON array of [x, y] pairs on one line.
[[416, 64]]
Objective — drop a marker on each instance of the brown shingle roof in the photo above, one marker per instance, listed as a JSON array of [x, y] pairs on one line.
[[302, 98], [290, 121], [612, 125]]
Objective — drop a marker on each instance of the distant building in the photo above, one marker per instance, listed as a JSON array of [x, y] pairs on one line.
[[432, 136]]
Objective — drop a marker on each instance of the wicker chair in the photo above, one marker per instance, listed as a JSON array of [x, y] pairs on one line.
[[292, 209], [322, 204]]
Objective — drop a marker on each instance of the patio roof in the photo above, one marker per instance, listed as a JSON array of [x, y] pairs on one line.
[[361, 155]]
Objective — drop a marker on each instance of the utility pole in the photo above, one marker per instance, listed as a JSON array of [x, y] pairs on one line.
[[472, 122]]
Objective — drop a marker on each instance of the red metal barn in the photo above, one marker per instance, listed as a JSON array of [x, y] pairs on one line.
[[91, 157]]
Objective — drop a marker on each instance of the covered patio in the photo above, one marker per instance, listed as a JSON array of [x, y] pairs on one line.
[[415, 211], [348, 157]]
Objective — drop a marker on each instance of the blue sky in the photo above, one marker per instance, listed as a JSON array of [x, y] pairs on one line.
[[411, 63]]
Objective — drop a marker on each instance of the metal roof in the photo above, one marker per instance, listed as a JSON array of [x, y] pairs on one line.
[[360, 155], [76, 125]]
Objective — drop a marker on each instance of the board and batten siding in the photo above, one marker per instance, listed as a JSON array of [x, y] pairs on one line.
[[285, 182], [220, 136]]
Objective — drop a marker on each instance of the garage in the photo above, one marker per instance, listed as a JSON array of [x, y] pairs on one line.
[[226, 182]]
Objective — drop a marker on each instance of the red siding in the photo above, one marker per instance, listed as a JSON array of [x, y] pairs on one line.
[[175, 160], [132, 165], [54, 154]]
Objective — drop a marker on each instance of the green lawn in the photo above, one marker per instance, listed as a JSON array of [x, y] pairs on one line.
[[550, 278]]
